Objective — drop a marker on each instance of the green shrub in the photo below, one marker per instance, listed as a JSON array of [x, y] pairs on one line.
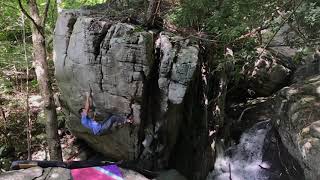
[[5, 85]]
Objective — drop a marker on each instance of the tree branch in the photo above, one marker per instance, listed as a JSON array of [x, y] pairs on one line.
[[282, 23], [31, 19], [45, 13], [251, 33]]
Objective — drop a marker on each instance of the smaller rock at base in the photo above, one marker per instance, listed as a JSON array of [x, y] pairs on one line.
[[132, 175], [170, 174], [24, 174]]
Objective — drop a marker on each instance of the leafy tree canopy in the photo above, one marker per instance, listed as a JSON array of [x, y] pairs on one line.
[[74, 4]]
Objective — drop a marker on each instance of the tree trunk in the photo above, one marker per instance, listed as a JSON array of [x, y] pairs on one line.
[[59, 4], [41, 68], [151, 12]]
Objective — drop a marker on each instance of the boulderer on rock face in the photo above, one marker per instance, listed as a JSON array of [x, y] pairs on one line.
[[103, 59], [154, 76], [173, 89], [129, 71]]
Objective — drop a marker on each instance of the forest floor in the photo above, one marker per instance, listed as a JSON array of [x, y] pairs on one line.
[[14, 122]]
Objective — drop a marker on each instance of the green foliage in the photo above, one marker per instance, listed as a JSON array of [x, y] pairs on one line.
[[193, 13], [5, 85], [228, 19], [230, 23], [10, 19], [34, 84], [51, 20], [12, 54], [138, 29], [75, 4], [11, 34], [308, 18]]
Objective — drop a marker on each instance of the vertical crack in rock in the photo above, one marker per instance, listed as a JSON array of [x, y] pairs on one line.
[[62, 35], [47, 172], [98, 29], [103, 50], [176, 48], [98, 44], [170, 51], [176, 63], [150, 113], [101, 73], [70, 25]]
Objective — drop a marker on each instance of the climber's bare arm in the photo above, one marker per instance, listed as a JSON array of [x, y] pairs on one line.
[[87, 103]]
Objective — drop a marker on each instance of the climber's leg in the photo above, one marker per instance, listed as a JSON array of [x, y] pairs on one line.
[[113, 119]]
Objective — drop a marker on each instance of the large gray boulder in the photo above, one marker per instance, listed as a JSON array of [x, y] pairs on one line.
[[37, 173], [297, 121], [170, 174], [273, 68], [269, 73], [177, 65], [111, 60], [131, 72]]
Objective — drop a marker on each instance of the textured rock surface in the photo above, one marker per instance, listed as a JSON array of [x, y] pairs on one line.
[[113, 61], [297, 110], [283, 40], [131, 72], [55, 174], [170, 174], [269, 73], [177, 64], [282, 164], [37, 173], [132, 175], [276, 64], [26, 174], [310, 68], [243, 116]]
